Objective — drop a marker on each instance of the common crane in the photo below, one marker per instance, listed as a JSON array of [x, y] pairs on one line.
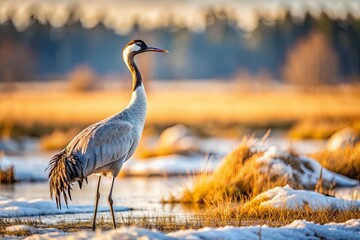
[[103, 147]]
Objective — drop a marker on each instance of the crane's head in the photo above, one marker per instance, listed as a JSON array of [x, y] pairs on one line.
[[135, 47]]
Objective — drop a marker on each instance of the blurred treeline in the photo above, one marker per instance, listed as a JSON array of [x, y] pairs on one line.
[[313, 49]]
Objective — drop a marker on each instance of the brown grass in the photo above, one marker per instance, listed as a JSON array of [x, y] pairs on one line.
[[345, 161], [321, 128], [218, 216], [7, 175], [58, 139], [236, 180], [175, 102], [34, 222], [18, 233]]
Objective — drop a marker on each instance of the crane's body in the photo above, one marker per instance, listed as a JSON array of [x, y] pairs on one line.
[[103, 147]]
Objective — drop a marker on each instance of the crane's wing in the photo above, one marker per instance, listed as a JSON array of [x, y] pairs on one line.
[[93, 148], [102, 143]]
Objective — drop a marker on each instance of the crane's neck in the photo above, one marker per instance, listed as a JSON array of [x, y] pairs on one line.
[[137, 104], [135, 73]]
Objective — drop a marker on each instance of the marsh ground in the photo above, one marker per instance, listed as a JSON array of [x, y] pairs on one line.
[[226, 110]]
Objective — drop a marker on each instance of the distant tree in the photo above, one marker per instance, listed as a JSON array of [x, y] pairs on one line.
[[312, 61]]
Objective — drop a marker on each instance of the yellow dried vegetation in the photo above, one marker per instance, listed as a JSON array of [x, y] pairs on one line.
[[321, 128], [345, 161], [203, 104], [237, 179], [58, 139], [7, 175]]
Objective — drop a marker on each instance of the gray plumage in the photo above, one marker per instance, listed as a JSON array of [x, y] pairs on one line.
[[100, 148], [103, 147]]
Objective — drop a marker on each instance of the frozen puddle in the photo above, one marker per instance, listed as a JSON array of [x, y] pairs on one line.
[[298, 229]]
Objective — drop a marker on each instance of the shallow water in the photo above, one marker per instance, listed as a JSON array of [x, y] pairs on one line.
[[143, 195]]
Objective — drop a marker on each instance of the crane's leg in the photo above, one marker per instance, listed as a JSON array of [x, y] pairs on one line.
[[111, 202], [97, 197]]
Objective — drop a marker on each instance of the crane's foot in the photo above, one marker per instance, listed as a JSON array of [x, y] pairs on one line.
[[112, 211]]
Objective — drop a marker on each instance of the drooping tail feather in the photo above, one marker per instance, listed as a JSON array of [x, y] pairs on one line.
[[64, 169]]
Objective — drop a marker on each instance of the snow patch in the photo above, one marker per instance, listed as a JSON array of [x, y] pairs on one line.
[[286, 197], [169, 165], [346, 137], [28, 229], [348, 193], [298, 229], [178, 135], [302, 169], [24, 207]]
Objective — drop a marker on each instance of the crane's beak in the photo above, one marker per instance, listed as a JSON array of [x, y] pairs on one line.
[[152, 49]]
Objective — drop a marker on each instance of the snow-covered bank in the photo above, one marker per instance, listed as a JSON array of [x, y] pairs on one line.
[[286, 197], [298, 229], [24, 207], [276, 163]]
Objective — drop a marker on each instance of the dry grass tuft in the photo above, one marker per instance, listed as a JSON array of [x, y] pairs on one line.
[[286, 216], [7, 175], [318, 129], [226, 182], [19, 233], [236, 180], [345, 161], [4, 222]]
